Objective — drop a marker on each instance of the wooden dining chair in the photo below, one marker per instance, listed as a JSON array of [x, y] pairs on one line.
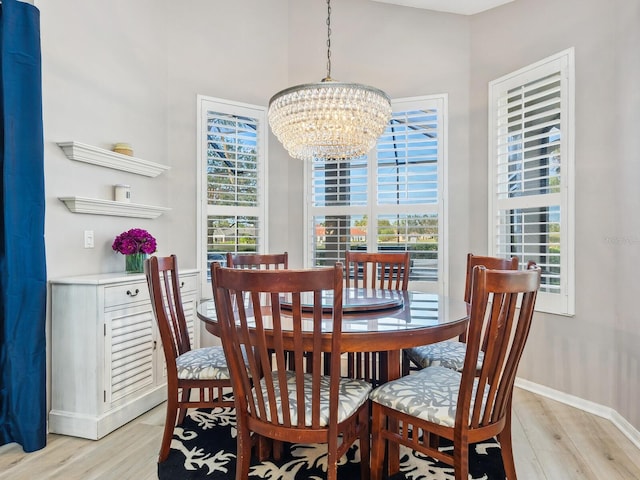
[[266, 261], [203, 370], [258, 261], [469, 406], [451, 353], [380, 270], [289, 405]]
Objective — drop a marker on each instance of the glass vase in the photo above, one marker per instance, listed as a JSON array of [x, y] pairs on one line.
[[134, 263]]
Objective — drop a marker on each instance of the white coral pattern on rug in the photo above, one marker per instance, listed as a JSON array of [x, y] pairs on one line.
[[305, 456], [197, 458], [413, 465]]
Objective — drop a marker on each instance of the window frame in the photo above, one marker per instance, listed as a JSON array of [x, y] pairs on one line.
[[373, 210], [204, 105], [562, 63]]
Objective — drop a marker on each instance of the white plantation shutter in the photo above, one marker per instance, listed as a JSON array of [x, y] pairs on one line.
[[409, 186], [391, 200], [232, 140], [339, 208], [232, 160], [531, 157], [408, 159]]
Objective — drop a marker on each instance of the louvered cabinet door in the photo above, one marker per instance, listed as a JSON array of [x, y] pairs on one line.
[[130, 349]]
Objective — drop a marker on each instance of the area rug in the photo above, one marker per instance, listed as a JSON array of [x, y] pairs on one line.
[[204, 448]]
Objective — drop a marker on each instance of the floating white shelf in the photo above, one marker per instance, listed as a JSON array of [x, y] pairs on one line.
[[95, 206], [106, 158]]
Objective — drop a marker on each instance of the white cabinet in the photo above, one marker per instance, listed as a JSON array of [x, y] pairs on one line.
[[107, 360]]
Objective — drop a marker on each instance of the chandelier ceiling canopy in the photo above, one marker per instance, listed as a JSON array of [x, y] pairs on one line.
[[329, 119]]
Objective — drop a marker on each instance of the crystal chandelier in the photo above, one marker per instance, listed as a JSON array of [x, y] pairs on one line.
[[329, 119]]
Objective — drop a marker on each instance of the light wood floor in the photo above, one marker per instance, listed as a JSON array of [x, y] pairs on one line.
[[551, 442]]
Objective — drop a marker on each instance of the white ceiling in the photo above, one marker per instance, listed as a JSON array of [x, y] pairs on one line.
[[463, 7]]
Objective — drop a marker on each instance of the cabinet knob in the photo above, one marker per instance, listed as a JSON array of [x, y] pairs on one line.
[[181, 284], [134, 293]]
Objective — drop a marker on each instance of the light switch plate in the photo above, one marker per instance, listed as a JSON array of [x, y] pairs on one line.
[[88, 239]]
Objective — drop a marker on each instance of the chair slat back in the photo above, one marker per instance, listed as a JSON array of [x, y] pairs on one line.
[[381, 270], [164, 289], [265, 261], [249, 307], [491, 263], [502, 305]]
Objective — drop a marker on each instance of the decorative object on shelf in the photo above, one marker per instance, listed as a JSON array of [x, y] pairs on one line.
[[135, 244], [329, 119], [123, 149], [122, 193]]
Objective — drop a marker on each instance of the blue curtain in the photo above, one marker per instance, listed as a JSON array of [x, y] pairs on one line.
[[22, 253]]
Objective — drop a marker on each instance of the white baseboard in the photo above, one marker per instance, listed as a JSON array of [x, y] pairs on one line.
[[609, 413]]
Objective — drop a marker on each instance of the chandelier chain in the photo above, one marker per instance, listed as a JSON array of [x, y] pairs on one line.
[[329, 120], [329, 39]]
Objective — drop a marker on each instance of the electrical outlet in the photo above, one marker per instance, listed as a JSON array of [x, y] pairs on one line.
[[88, 239]]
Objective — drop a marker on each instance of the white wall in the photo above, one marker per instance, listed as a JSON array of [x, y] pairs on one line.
[[128, 70], [104, 80], [595, 354]]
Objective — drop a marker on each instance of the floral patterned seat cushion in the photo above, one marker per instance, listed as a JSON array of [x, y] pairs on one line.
[[449, 354], [430, 394], [208, 363], [353, 393]]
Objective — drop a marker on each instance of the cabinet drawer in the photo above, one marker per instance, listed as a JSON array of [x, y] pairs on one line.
[[124, 294], [189, 283]]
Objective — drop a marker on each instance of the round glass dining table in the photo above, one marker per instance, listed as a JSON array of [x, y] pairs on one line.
[[384, 321]]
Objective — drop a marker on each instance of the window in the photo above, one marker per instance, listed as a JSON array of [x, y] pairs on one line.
[[390, 200], [232, 167], [531, 174]]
